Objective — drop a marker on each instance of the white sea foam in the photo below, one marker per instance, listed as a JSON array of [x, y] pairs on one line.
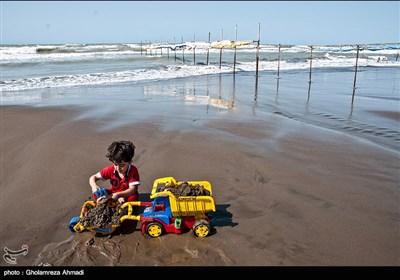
[[54, 66]]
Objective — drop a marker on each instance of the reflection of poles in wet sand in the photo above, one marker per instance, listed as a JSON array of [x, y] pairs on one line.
[[351, 112], [233, 92], [208, 88], [309, 90], [219, 86], [277, 90], [256, 90], [221, 102]]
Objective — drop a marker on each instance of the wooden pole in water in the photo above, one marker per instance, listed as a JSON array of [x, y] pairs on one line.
[[309, 79], [279, 66], [257, 60], [220, 57], [175, 48], [208, 50], [234, 56], [183, 52], [258, 51], [279, 58], [355, 75], [194, 50], [220, 51]]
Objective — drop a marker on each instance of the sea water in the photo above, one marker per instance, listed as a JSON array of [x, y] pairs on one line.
[[317, 85]]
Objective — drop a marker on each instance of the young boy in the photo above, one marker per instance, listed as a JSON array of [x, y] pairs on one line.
[[123, 175]]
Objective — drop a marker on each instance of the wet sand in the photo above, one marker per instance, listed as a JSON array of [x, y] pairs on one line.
[[287, 193]]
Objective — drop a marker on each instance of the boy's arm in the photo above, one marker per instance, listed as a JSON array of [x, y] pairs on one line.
[[92, 182], [129, 191]]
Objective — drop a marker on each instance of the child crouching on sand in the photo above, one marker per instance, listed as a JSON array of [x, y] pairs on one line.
[[123, 175]]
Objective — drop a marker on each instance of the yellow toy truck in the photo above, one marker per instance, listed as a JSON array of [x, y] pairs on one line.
[[168, 211]]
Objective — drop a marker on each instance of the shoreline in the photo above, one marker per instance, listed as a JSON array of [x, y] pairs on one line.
[[287, 193]]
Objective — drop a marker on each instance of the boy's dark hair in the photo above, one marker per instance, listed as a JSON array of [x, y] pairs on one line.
[[121, 151]]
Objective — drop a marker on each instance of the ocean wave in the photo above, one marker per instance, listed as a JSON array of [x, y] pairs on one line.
[[49, 66], [161, 72]]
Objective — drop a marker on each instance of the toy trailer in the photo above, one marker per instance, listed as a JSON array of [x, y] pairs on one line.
[[169, 213], [126, 210]]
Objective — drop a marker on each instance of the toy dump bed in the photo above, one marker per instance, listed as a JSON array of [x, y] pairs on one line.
[[77, 224], [185, 205]]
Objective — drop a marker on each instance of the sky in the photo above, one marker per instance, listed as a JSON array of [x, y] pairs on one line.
[[273, 22]]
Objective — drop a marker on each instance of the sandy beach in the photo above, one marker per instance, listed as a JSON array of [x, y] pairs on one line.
[[286, 193]]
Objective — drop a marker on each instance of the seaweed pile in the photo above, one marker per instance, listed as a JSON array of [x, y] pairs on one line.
[[184, 189], [101, 215]]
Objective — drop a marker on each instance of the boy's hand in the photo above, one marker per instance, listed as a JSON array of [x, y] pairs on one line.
[[99, 194], [118, 198]]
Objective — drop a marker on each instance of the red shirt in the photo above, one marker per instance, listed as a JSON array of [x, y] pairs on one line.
[[117, 184]]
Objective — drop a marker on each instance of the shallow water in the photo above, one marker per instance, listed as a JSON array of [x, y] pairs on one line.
[[372, 114]]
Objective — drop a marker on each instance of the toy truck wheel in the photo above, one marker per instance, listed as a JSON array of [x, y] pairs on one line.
[[72, 223], [201, 228], [154, 229]]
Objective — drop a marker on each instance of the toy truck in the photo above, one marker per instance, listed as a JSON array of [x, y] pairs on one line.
[[166, 212], [169, 213]]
